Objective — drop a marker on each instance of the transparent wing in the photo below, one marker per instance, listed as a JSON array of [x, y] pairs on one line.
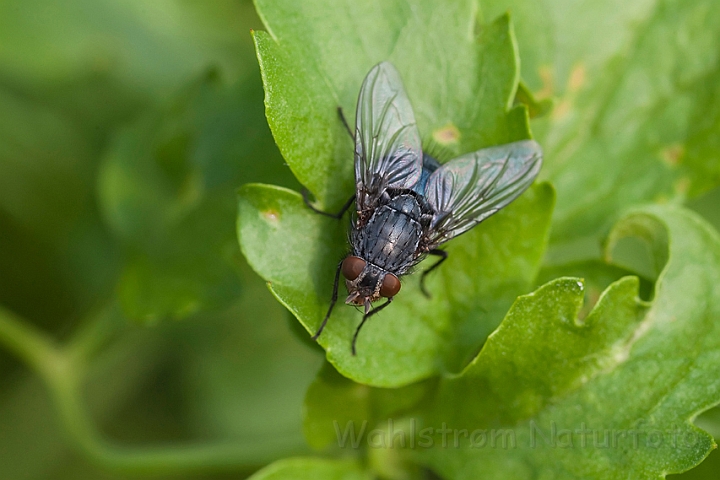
[[467, 190], [388, 151]]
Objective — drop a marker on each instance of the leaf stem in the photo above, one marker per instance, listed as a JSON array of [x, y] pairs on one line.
[[26, 341], [63, 370], [95, 333]]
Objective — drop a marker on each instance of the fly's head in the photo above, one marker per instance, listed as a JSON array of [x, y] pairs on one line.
[[367, 283]]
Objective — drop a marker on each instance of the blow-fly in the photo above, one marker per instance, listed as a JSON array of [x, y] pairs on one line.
[[407, 204]]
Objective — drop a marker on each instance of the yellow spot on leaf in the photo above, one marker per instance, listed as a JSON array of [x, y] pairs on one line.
[[271, 215], [577, 78], [546, 75], [562, 109], [682, 185], [447, 135], [661, 198]]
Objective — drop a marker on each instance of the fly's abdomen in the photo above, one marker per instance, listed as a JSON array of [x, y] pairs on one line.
[[390, 239]]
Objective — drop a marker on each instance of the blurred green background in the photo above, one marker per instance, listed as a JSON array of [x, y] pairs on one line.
[[125, 128]]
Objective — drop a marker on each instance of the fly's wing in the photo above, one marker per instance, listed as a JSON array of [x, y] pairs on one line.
[[388, 151], [467, 190]]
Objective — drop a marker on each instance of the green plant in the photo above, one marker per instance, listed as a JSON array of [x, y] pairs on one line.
[[572, 335], [624, 367]]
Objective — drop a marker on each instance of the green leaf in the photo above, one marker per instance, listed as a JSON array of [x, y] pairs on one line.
[[333, 404], [636, 113], [596, 275], [315, 55], [247, 344], [166, 188], [536, 107], [45, 179], [707, 470], [629, 378], [312, 66], [297, 251], [311, 469], [53, 244], [70, 75], [706, 205], [146, 49]]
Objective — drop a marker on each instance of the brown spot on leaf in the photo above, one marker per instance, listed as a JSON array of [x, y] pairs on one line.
[[673, 154]]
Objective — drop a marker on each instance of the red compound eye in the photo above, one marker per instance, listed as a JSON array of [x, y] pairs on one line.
[[390, 286], [352, 267]]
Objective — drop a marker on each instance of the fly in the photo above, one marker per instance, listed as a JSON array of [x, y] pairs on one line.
[[407, 204]]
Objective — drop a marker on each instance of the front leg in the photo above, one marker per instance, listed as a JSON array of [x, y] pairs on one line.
[[337, 215], [443, 256], [333, 301], [365, 317], [345, 123]]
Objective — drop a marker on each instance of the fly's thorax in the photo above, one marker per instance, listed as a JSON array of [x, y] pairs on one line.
[[407, 204], [391, 236], [412, 204]]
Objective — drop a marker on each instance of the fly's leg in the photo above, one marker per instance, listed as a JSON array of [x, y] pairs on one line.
[[365, 317], [337, 215], [443, 256], [350, 200], [333, 301], [344, 121]]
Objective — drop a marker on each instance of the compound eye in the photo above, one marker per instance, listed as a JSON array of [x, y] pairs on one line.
[[352, 267], [390, 286]]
